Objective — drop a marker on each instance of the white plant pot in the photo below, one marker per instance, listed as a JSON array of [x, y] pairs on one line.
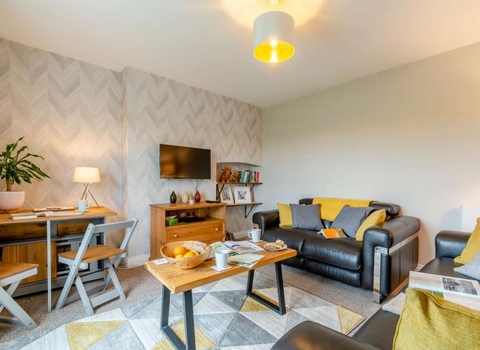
[[11, 200]]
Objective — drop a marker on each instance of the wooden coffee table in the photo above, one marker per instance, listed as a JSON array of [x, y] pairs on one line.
[[175, 280]]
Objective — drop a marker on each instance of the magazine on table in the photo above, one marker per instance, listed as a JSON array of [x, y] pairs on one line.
[[235, 247], [245, 260], [457, 290]]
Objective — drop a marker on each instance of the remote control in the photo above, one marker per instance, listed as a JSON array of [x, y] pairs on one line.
[[213, 201]]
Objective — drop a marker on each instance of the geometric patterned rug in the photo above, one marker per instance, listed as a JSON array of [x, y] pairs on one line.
[[225, 318]]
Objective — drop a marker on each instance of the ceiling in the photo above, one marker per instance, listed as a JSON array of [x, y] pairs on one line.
[[208, 43]]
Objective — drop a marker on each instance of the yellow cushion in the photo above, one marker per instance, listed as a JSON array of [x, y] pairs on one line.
[[375, 218], [472, 247], [330, 207], [430, 322], [285, 213]]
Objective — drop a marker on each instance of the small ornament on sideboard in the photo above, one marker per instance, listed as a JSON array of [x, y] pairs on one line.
[[185, 197], [173, 197], [198, 197]]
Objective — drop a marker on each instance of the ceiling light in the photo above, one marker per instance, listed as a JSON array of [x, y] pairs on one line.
[[273, 37]]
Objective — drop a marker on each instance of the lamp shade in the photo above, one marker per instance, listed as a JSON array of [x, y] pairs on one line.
[[86, 175], [273, 37]]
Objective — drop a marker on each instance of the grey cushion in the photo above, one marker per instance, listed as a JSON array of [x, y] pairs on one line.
[[350, 218], [306, 216], [471, 269]]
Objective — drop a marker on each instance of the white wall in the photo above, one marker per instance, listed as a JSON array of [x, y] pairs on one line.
[[409, 136]]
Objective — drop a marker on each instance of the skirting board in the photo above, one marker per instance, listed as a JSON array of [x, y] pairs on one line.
[[135, 261]]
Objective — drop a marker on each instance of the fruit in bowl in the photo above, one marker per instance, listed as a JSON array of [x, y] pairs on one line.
[[186, 254]]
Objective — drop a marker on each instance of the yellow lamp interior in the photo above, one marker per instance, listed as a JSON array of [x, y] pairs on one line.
[[274, 51]]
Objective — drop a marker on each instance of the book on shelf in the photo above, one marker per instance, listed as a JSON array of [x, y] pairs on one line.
[[330, 233], [457, 290], [248, 176]]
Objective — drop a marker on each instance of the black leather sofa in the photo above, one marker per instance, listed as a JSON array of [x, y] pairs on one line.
[[379, 330], [380, 263]]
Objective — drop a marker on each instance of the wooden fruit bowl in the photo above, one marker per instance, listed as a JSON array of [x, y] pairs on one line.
[[186, 263]]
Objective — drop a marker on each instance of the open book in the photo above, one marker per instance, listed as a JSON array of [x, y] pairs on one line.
[[330, 233], [457, 290]]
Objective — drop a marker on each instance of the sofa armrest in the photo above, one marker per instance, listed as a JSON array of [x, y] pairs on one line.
[[309, 335], [380, 241], [266, 219], [450, 244]]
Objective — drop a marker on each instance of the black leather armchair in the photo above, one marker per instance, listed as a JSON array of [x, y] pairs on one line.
[[378, 331]]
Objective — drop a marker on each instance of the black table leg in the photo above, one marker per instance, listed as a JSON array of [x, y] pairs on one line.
[[280, 308], [188, 320]]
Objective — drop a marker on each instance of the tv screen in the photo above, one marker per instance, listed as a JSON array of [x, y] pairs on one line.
[[177, 162]]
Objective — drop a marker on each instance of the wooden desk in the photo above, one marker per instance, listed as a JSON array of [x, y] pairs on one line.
[[176, 280], [17, 235]]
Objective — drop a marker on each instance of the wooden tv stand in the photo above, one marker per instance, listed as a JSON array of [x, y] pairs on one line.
[[210, 230]]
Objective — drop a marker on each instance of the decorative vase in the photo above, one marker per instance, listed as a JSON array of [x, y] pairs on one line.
[[198, 197], [11, 200], [173, 197], [185, 197]]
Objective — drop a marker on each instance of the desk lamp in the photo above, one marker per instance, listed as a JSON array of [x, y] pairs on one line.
[[87, 176]]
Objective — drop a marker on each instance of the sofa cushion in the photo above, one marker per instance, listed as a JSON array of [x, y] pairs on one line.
[[430, 322], [342, 252], [332, 206], [375, 218], [306, 216], [471, 269], [472, 247], [349, 219], [285, 213]]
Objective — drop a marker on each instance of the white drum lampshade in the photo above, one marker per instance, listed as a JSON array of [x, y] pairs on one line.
[[273, 37]]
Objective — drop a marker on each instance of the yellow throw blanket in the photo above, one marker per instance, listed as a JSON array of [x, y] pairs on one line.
[[330, 207]]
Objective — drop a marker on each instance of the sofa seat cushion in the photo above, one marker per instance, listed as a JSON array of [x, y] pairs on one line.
[[294, 238], [444, 267], [342, 252]]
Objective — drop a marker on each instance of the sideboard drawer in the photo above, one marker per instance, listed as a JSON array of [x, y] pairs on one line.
[[207, 232], [23, 231]]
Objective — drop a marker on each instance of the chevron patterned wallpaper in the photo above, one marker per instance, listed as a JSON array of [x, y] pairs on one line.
[[77, 114]]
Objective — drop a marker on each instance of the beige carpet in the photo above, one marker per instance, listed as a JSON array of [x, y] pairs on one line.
[[225, 318], [139, 286]]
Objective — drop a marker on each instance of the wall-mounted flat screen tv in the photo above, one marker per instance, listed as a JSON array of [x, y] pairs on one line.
[[178, 162]]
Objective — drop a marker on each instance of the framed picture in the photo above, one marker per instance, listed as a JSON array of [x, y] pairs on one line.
[[242, 194], [226, 195]]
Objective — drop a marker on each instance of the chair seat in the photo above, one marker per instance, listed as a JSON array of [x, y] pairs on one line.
[[93, 254], [9, 269], [11, 273]]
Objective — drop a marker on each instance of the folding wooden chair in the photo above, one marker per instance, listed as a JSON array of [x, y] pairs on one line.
[[11, 273], [86, 254]]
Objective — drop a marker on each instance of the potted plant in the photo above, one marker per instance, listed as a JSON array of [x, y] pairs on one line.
[[15, 167]]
